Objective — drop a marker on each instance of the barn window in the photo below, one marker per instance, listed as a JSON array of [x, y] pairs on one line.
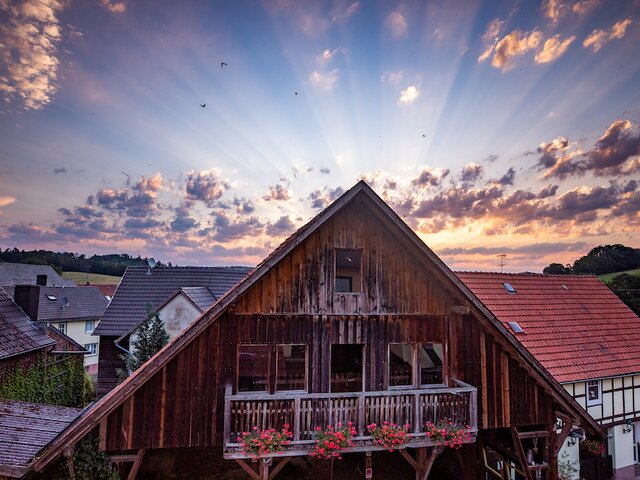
[[253, 368], [430, 363], [348, 270], [594, 392], [291, 367], [346, 368], [400, 364]]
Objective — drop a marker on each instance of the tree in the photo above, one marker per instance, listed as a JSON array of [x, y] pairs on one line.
[[557, 269], [627, 288], [149, 339]]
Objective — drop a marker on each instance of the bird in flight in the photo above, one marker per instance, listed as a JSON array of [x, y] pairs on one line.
[[203, 105], [223, 64], [295, 93], [424, 136]]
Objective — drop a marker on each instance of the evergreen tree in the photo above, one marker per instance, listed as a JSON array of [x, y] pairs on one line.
[[150, 338]]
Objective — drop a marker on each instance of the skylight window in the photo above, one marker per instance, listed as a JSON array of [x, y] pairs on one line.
[[509, 288], [565, 287], [51, 297], [515, 326]]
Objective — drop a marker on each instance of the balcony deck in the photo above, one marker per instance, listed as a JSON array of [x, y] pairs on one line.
[[303, 412]]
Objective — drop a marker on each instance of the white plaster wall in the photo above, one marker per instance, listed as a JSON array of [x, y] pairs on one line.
[[75, 330], [177, 315], [621, 447], [572, 455]]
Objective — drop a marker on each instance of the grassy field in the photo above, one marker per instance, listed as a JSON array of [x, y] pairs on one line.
[[610, 276], [82, 278]]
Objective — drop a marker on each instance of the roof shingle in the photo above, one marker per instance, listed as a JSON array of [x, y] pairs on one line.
[[84, 302], [128, 307], [574, 325]]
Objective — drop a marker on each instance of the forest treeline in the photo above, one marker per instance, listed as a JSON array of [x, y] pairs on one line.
[[112, 264]]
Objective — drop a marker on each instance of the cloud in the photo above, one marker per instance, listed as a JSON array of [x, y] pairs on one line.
[[205, 185], [28, 51], [555, 9], [507, 178], [325, 171], [278, 192], [324, 82], [408, 95], [397, 24], [599, 38], [490, 38], [59, 170], [225, 229], [430, 177], [322, 197], [327, 55], [392, 78], [544, 248], [614, 154], [183, 221], [114, 6], [281, 227], [581, 7], [344, 13], [471, 173], [243, 205], [6, 200], [553, 49], [515, 44]]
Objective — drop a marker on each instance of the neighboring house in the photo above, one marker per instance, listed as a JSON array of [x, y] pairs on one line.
[[587, 338], [74, 311], [351, 319], [12, 274], [179, 294]]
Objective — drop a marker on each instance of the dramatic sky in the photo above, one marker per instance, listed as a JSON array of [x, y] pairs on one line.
[[204, 133]]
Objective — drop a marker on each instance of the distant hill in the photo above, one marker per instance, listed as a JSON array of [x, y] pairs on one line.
[[608, 277], [82, 278], [113, 264]]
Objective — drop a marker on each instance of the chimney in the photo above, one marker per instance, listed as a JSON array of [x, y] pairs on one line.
[[41, 280], [26, 297]]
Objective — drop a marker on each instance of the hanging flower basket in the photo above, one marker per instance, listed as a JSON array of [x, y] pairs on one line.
[[389, 435], [258, 443], [448, 434], [592, 446], [330, 442]]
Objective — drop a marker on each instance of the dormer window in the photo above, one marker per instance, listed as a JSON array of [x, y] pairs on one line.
[[348, 270]]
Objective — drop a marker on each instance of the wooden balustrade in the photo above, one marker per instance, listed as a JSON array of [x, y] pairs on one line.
[[303, 412]]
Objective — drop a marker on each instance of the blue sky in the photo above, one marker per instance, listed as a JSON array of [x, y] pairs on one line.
[[491, 127]]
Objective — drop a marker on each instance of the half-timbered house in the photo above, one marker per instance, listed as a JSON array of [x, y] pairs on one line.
[[352, 319]]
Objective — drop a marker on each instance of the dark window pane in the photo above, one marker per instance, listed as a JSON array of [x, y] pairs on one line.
[[346, 368], [400, 364], [292, 367], [430, 358], [348, 270], [253, 368]]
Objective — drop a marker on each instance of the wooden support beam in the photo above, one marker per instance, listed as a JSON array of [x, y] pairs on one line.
[[407, 456], [517, 444], [265, 463], [425, 459], [126, 458], [279, 467], [464, 467], [562, 436], [68, 455], [245, 466], [136, 464]]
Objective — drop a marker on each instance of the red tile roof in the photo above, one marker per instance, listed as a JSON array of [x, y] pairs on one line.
[[574, 325]]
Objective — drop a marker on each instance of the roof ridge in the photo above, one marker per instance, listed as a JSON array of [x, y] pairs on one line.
[[528, 274]]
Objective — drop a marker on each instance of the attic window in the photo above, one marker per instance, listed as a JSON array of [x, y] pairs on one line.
[[515, 326], [51, 297], [509, 288], [348, 270]]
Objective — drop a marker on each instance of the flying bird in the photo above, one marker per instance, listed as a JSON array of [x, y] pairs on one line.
[[424, 136], [127, 175], [203, 105], [223, 64], [295, 93]]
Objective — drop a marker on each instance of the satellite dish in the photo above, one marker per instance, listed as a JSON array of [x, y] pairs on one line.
[[65, 302], [151, 262]]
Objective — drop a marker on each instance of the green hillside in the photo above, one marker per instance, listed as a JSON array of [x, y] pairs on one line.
[[607, 277], [81, 278]]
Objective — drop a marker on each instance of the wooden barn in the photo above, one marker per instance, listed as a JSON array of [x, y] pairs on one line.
[[352, 319]]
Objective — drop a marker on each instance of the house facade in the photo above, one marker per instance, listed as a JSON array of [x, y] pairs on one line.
[[352, 319], [74, 311], [589, 341]]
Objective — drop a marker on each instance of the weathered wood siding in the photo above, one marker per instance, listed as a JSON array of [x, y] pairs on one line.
[[110, 361], [404, 299]]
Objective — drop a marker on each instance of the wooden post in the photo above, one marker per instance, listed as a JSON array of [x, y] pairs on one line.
[[361, 415], [265, 463], [136, 464], [68, 455], [297, 412], [227, 417], [368, 466], [425, 457], [517, 444]]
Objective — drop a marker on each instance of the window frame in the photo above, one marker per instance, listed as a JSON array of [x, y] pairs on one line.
[[445, 377], [597, 401], [354, 285], [62, 330], [306, 368], [269, 372], [364, 369], [92, 351], [414, 364], [93, 326]]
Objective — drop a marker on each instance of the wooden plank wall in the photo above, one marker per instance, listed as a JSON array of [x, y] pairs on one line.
[[403, 299], [110, 360]]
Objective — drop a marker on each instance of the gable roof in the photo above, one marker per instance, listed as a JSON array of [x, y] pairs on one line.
[[574, 325], [25, 428], [12, 274], [201, 297], [84, 303], [92, 415], [128, 307], [18, 333]]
